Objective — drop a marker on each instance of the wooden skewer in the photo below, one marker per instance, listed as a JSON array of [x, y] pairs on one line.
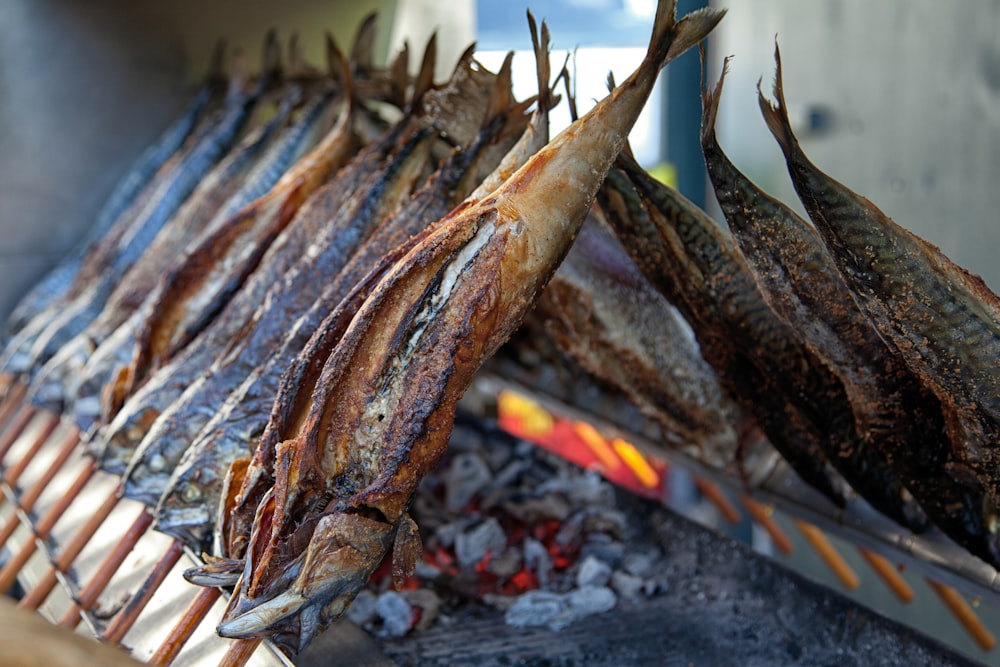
[[185, 627], [126, 618], [106, 570], [847, 576], [42, 529], [14, 429], [889, 574], [239, 652], [716, 496], [762, 517], [27, 500], [965, 615], [36, 596], [12, 401], [14, 473]]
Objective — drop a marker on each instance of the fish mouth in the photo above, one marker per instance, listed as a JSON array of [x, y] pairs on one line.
[[189, 524], [48, 393]]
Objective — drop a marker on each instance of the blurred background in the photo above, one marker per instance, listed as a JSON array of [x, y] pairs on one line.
[[899, 99]]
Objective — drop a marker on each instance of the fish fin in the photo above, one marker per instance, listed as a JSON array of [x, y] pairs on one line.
[[672, 37], [341, 69], [541, 45], [399, 75], [271, 65], [710, 101], [776, 113], [501, 96], [406, 551], [363, 49], [574, 113], [425, 78]]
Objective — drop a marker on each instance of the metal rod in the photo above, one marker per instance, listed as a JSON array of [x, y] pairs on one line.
[[126, 618], [14, 473], [36, 596], [106, 570], [965, 615], [14, 429], [239, 652], [27, 500], [847, 576], [185, 627], [889, 574], [762, 516], [42, 529]]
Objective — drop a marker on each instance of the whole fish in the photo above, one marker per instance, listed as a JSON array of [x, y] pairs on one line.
[[798, 280], [103, 272], [386, 400], [943, 322], [297, 382], [57, 282], [187, 507], [601, 312], [228, 184], [693, 262]]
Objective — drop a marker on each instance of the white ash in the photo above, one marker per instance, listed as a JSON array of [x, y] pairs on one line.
[[472, 546], [466, 476], [395, 613], [362, 610], [558, 610], [593, 572]]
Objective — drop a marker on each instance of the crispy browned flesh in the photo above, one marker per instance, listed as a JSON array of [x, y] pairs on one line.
[[797, 279], [190, 498], [603, 313], [385, 402], [942, 321], [307, 255], [693, 262]]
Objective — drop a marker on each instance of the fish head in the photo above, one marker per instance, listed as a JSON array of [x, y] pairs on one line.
[[342, 553], [53, 383], [119, 441], [186, 508]]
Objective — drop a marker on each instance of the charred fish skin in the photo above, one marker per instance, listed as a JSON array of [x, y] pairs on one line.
[[797, 279], [426, 328], [943, 321], [57, 282], [687, 257], [59, 377], [240, 421], [382, 191]]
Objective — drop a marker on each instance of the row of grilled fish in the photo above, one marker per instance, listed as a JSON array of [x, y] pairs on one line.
[[334, 280]]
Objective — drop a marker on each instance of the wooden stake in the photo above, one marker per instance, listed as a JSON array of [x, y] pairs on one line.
[[126, 618], [716, 496], [14, 429], [889, 574], [11, 402], [14, 473], [42, 529], [106, 570], [36, 596], [27, 500], [185, 627], [847, 576], [965, 615], [239, 652]]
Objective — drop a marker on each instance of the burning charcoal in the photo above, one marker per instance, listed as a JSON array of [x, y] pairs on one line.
[[429, 604], [627, 586], [502, 482], [603, 547], [362, 610], [535, 608], [472, 546], [593, 572], [611, 522], [508, 564], [396, 614], [587, 489], [550, 506], [466, 476], [537, 559]]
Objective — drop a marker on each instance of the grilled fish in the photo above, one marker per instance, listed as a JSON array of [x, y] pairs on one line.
[[797, 279], [386, 399]]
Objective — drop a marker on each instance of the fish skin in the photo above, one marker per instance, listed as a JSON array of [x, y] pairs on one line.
[[240, 420], [425, 329], [335, 239], [601, 312], [943, 321], [88, 382], [111, 266], [863, 394], [220, 189], [692, 261], [57, 282]]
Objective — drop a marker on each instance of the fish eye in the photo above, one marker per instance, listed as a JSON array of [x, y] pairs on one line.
[[156, 463], [191, 493]]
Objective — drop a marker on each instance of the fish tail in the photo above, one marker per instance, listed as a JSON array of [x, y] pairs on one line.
[[776, 113], [710, 103], [540, 44], [501, 96], [671, 38], [363, 49], [271, 64], [217, 63], [425, 77], [341, 69], [399, 75]]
